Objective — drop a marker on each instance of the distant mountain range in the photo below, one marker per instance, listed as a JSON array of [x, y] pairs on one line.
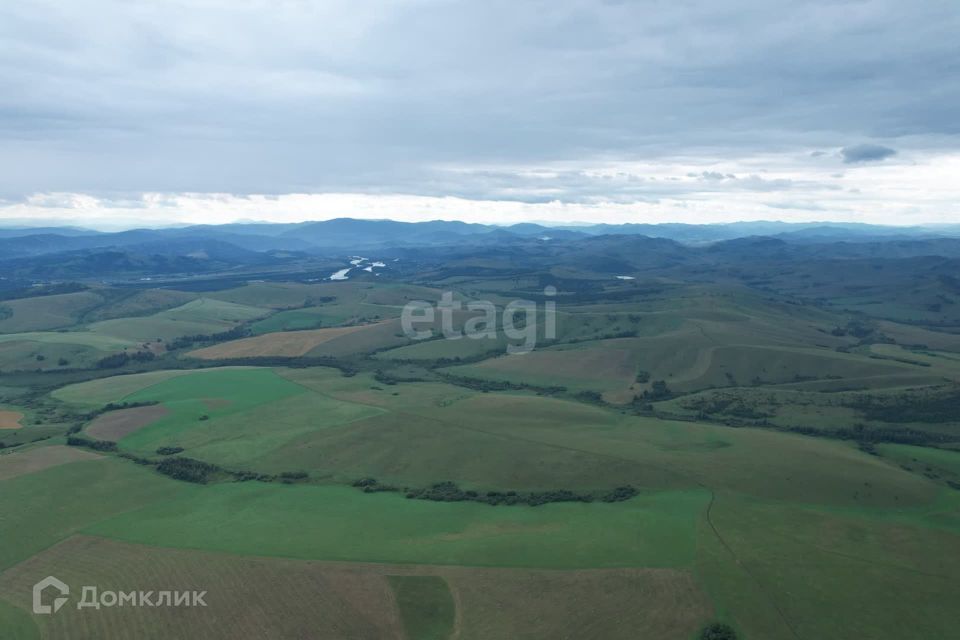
[[349, 232], [52, 253]]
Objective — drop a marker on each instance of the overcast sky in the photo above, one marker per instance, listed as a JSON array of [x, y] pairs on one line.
[[118, 113]]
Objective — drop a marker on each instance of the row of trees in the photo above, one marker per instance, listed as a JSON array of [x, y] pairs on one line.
[[450, 492]]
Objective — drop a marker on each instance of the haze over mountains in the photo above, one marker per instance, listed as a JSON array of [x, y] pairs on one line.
[[357, 234], [309, 249]]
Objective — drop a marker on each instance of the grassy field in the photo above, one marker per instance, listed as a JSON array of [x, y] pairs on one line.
[[46, 312], [786, 571], [17, 623], [288, 344], [47, 350], [18, 463], [114, 425], [46, 506], [239, 418], [427, 609], [140, 303], [83, 338], [323, 522], [331, 601], [115, 388], [212, 394], [292, 320], [935, 463], [741, 514], [245, 597], [203, 316], [496, 441]]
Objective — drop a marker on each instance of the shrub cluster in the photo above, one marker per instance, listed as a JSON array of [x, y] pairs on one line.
[[96, 445], [121, 359], [169, 451], [450, 492], [188, 469], [185, 342]]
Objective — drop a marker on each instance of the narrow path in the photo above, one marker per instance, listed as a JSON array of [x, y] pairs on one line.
[[747, 571]]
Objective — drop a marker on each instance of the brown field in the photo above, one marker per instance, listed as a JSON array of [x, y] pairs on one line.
[[10, 419], [613, 604], [246, 597], [114, 425], [31, 460], [279, 598], [613, 365], [287, 343]]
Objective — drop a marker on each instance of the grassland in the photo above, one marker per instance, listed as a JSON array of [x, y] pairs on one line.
[[39, 458], [44, 507], [331, 601], [114, 425], [47, 312], [427, 609], [321, 523], [102, 391], [934, 463], [810, 572], [285, 344], [50, 350], [211, 394], [740, 516], [245, 597], [232, 417], [203, 316], [432, 431], [17, 623]]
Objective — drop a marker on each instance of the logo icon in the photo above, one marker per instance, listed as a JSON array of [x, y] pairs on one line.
[[43, 585]]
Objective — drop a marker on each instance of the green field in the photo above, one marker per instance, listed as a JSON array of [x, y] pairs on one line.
[[54, 503], [321, 523], [203, 316], [46, 312], [426, 606], [795, 466], [116, 388]]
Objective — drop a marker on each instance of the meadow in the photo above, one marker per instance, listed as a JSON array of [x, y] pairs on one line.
[[696, 452]]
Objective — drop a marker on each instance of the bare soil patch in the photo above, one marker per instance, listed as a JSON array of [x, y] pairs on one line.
[[114, 425], [32, 460], [10, 419]]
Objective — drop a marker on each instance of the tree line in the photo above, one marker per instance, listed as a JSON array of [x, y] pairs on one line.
[[448, 491]]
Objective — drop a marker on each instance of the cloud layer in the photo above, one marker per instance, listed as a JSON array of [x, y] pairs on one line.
[[866, 153], [611, 105]]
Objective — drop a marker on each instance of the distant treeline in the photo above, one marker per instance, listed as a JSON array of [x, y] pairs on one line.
[[478, 384], [303, 362], [910, 407], [96, 445], [186, 469], [42, 290], [116, 406], [868, 434], [122, 359], [450, 492], [185, 342]]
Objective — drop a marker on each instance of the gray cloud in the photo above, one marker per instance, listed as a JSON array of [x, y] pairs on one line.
[[866, 153], [373, 96]]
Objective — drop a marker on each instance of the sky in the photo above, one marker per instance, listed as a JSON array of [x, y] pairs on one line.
[[116, 114]]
